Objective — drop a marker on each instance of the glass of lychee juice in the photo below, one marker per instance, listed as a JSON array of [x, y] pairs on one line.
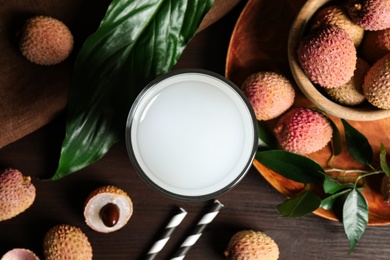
[[191, 134]]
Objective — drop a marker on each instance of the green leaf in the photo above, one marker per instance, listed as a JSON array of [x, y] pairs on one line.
[[357, 144], [267, 140], [290, 165], [135, 42], [383, 161], [355, 217], [336, 139], [300, 205], [332, 186], [328, 202]]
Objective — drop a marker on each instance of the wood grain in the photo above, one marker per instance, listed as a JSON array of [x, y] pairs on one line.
[[250, 205]]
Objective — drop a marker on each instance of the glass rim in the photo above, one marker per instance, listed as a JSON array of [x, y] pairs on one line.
[[144, 176]]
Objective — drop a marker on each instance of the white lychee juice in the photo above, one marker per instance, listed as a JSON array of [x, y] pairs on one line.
[[191, 135]]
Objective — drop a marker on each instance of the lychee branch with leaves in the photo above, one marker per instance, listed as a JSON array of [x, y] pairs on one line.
[[341, 190]]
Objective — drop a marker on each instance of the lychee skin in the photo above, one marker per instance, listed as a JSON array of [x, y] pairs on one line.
[[45, 40], [103, 196], [64, 242], [375, 45], [337, 15], [20, 254], [371, 15], [351, 93], [17, 193], [376, 85], [303, 131], [269, 93], [253, 245], [328, 56]]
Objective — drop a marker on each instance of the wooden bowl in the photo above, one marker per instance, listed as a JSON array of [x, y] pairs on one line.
[[255, 46], [365, 112]]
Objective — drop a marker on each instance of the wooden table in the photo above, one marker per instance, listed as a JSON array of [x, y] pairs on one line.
[[250, 205]]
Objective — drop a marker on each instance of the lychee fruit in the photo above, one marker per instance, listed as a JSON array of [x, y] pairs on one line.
[[372, 15], [328, 56], [303, 130], [45, 40], [64, 241], [375, 45], [20, 254], [270, 94], [351, 93], [253, 245], [17, 193], [337, 15], [107, 209], [376, 85]]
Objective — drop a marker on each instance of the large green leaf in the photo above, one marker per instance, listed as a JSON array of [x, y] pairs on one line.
[[267, 140], [328, 202], [332, 186], [357, 144], [293, 166], [300, 205], [355, 217], [135, 42], [336, 139]]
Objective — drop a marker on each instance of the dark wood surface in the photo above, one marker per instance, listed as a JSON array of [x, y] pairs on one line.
[[250, 205]]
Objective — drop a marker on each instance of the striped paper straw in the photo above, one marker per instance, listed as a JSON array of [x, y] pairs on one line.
[[159, 244], [197, 232]]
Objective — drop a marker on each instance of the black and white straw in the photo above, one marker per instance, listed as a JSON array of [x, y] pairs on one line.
[[159, 244], [197, 232]]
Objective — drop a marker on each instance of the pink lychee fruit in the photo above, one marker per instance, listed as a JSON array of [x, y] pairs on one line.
[[328, 56], [270, 94], [375, 45], [371, 15], [303, 131]]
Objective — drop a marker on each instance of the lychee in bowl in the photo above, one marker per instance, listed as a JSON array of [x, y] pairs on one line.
[[363, 112]]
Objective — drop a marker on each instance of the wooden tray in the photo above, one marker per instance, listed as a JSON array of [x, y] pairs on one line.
[[259, 42]]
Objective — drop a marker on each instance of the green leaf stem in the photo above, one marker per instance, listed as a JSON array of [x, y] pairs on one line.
[[357, 144], [135, 42], [290, 165], [301, 205], [355, 217]]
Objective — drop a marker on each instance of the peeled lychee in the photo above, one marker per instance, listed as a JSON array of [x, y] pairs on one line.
[[372, 15], [337, 15], [20, 254], [269, 93], [45, 40], [303, 131], [17, 193], [375, 45], [351, 93], [107, 209], [376, 85], [64, 242], [251, 245], [328, 56]]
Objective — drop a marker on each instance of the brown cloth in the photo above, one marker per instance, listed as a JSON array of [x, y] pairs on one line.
[[32, 95]]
